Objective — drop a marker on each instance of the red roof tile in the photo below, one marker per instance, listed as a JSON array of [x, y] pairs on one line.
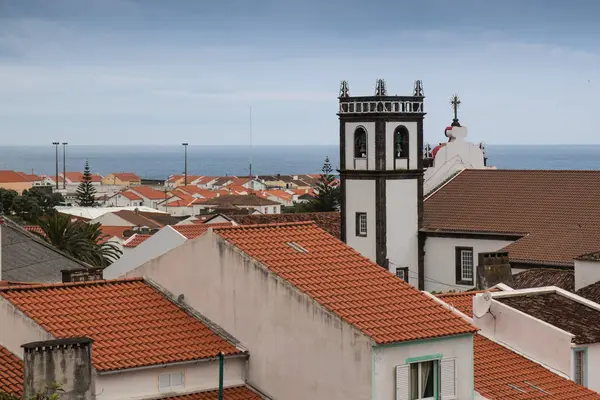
[[8, 176], [362, 293], [136, 240], [130, 195], [11, 373], [77, 177], [192, 231], [126, 176], [330, 221], [234, 393], [558, 211], [497, 367], [149, 192], [132, 324]]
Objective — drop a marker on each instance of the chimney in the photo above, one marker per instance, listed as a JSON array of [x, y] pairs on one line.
[[82, 275], [66, 362], [493, 268]]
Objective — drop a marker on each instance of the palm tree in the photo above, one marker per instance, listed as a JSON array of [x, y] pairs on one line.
[[80, 240]]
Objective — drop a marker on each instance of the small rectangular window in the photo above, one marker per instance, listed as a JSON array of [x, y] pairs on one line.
[[580, 367], [361, 224], [402, 273], [422, 380], [169, 382], [465, 267]]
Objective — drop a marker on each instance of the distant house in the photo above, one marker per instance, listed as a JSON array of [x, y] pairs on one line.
[[127, 218], [122, 179], [75, 178], [125, 198], [34, 178], [178, 180], [251, 201], [15, 181], [150, 196]]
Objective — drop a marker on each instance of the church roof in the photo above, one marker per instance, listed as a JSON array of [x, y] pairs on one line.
[[556, 213]]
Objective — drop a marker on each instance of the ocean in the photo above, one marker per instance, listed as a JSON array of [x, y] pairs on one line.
[[158, 162]]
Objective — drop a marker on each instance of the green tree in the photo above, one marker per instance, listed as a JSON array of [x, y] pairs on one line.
[[52, 392], [328, 193], [7, 197], [78, 239], [86, 192]]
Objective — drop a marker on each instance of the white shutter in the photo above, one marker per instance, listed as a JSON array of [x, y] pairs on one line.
[[402, 382], [448, 378]]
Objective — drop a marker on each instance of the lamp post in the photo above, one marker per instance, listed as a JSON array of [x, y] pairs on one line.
[[185, 145], [64, 144], [56, 146]]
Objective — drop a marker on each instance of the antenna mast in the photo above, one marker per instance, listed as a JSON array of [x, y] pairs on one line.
[[250, 155]]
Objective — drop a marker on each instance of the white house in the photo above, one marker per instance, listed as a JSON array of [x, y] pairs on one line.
[[294, 286], [125, 198], [107, 361], [248, 202]]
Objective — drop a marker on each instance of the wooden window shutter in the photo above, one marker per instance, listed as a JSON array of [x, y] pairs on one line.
[[448, 378], [402, 382]]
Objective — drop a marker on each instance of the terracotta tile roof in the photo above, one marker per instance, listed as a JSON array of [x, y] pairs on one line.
[[77, 177], [192, 231], [34, 228], [135, 240], [329, 221], [558, 210], [497, 367], [11, 373], [233, 393], [236, 189], [239, 181], [192, 189], [137, 219], [132, 324], [359, 291], [561, 312], [8, 176], [241, 200], [182, 200], [149, 192], [31, 177], [540, 277], [205, 179], [280, 194], [130, 195], [126, 176]]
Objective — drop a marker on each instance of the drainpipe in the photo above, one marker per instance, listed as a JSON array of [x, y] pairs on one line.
[[221, 376]]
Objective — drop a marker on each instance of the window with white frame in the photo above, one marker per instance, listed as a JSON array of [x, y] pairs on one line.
[[171, 381], [402, 273], [427, 379], [465, 268], [580, 367], [361, 224]]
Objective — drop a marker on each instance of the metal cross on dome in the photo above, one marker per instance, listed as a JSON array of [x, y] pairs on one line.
[[455, 102]]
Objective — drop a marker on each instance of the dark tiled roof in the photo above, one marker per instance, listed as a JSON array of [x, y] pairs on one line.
[[561, 312], [163, 219], [593, 256], [28, 258], [590, 292], [137, 219], [329, 221], [540, 277], [240, 200], [558, 211], [11, 373]]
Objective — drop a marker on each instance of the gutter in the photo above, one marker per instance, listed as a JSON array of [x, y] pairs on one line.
[[174, 364]]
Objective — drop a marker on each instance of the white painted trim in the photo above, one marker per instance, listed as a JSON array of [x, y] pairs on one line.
[[450, 307], [503, 287], [444, 184], [548, 290]]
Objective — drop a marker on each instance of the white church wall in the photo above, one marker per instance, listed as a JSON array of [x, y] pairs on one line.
[[440, 260], [402, 226], [361, 164], [593, 366], [586, 273], [361, 198]]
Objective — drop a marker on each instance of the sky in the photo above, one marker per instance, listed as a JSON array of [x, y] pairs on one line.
[[126, 72]]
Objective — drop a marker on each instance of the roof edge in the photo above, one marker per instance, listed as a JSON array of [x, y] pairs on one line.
[[35, 286], [441, 185]]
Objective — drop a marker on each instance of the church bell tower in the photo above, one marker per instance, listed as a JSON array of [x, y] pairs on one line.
[[381, 174]]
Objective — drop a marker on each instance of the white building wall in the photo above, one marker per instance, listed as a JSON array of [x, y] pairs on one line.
[[402, 226], [299, 350], [536, 339], [586, 273], [414, 151], [360, 197], [16, 328], [386, 358], [440, 260], [161, 242], [138, 384], [370, 128], [593, 366]]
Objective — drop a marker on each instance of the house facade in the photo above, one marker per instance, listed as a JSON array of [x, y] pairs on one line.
[[245, 283], [122, 179]]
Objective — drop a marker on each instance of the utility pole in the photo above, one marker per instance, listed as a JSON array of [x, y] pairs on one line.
[[56, 146], [185, 145], [65, 165]]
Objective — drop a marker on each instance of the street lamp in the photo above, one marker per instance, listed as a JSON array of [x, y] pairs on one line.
[[64, 144], [185, 145], [56, 146]]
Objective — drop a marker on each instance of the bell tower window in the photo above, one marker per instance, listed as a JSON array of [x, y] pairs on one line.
[[401, 142], [360, 143]]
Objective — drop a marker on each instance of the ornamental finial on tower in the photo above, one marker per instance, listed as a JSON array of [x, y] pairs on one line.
[[380, 89], [418, 92], [344, 89], [455, 102]]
